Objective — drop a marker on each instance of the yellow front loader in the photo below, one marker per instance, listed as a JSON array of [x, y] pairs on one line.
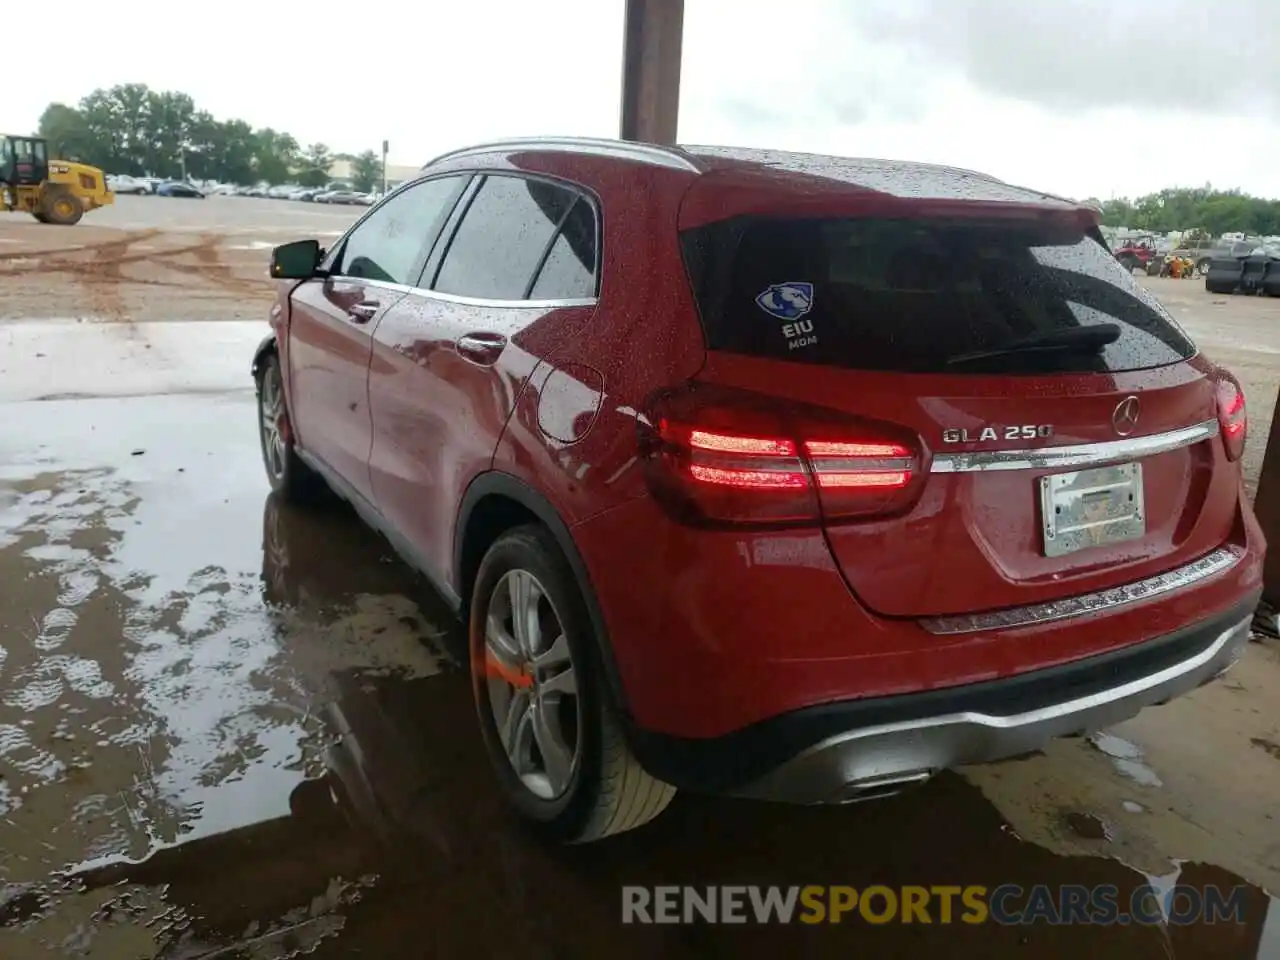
[[52, 191]]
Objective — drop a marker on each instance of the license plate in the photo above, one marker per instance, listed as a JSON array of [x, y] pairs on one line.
[[1092, 508]]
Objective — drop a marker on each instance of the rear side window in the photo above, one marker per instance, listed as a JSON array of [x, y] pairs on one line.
[[924, 296], [507, 235], [568, 273]]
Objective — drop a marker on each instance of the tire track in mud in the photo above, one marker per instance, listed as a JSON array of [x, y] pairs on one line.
[[209, 266], [83, 248], [98, 267], [101, 274]]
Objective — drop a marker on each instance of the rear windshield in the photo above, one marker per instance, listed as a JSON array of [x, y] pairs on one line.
[[925, 296]]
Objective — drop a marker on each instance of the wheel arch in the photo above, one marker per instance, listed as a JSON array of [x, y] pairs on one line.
[[266, 347], [496, 502]]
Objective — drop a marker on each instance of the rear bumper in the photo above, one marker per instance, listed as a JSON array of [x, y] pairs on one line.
[[851, 750]]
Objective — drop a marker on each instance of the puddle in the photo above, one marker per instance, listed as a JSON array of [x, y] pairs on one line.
[[1127, 758], [237, 730], [1086, 826]]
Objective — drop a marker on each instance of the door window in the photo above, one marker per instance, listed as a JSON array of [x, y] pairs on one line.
[[503, 238], [389, 244]]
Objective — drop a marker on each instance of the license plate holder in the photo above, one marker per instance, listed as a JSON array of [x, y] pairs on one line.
[[1091, 508]]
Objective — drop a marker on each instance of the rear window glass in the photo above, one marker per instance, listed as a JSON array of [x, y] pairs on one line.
[[925, 296]]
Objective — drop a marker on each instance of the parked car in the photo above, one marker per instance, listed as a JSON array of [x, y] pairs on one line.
[[727, 497], [176, 188], [1137, 255], [339, 196], [1222, 249], [123, 183]]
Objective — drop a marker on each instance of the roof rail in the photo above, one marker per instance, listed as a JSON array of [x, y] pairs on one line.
[[620, 149]]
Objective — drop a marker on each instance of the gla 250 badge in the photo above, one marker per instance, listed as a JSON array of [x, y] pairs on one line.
[[1026, 431]]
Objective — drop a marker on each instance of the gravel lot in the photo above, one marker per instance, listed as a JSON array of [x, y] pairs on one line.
[[1242, 334], [155, 258]]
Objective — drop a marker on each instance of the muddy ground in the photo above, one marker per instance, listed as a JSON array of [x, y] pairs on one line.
[[231, 729], [155, 258]]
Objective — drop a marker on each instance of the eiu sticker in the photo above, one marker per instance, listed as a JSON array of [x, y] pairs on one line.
[[787, 301]]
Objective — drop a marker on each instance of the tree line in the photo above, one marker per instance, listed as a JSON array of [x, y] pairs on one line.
[[132, 129], [1213, 211]]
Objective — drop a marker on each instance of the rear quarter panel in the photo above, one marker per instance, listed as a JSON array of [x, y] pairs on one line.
[[643, 335]]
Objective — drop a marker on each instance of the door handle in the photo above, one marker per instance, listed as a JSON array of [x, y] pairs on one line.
[[482, 348], [362, 312]]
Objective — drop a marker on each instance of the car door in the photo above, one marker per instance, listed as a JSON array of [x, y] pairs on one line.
[[516, 266], [332, 319]]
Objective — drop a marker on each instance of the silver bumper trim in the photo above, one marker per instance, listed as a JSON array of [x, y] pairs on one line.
[[877, 760], [1077, 455], [1210, 565]]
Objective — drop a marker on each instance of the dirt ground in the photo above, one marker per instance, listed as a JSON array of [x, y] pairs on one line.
[[230, 729], [1242, 334], [155, 258]]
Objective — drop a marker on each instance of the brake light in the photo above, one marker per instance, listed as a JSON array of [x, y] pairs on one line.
[[716, 455], [1233, 419]]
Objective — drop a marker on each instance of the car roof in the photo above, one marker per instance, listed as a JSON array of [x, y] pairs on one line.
[[898, 178]]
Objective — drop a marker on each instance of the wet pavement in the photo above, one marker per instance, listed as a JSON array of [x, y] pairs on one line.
[[233, 729]]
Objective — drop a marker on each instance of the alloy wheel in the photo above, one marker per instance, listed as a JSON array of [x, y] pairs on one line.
[[271, 407], [532, 685]]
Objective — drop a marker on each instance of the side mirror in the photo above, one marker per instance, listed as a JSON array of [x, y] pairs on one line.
[[296, 261]]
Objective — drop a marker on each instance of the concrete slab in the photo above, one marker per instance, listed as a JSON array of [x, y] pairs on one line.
[[57, 360]]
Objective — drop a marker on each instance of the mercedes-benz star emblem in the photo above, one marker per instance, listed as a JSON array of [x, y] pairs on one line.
[[1124, 418]]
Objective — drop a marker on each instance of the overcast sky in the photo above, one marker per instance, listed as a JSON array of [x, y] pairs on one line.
[[1073, 96]]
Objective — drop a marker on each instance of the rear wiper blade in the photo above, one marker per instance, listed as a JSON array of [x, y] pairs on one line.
[[1075, 339]]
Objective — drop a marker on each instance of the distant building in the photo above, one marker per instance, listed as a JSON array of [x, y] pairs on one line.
[[396, 173]]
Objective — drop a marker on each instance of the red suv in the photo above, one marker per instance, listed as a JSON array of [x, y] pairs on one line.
[[773, 475]]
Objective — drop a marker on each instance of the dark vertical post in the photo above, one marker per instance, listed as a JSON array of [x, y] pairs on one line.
[[1267, 505], [651, 70]]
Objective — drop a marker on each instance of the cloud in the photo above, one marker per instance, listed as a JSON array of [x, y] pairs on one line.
[[1076, 96], [1188, 56]]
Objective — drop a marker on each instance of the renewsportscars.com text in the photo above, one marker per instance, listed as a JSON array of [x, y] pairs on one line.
[[1008, 904]]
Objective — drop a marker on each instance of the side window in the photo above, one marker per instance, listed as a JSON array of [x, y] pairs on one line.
[[569, 270], [502, 238], [388, 243]]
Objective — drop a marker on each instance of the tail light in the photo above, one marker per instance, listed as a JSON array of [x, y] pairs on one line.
[[1233, 420], [722, 456]]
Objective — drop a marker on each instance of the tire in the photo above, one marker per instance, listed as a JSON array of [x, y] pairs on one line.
[[40, 216], [290, 478], [1202, 267], [61, 207], [598, 788]]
